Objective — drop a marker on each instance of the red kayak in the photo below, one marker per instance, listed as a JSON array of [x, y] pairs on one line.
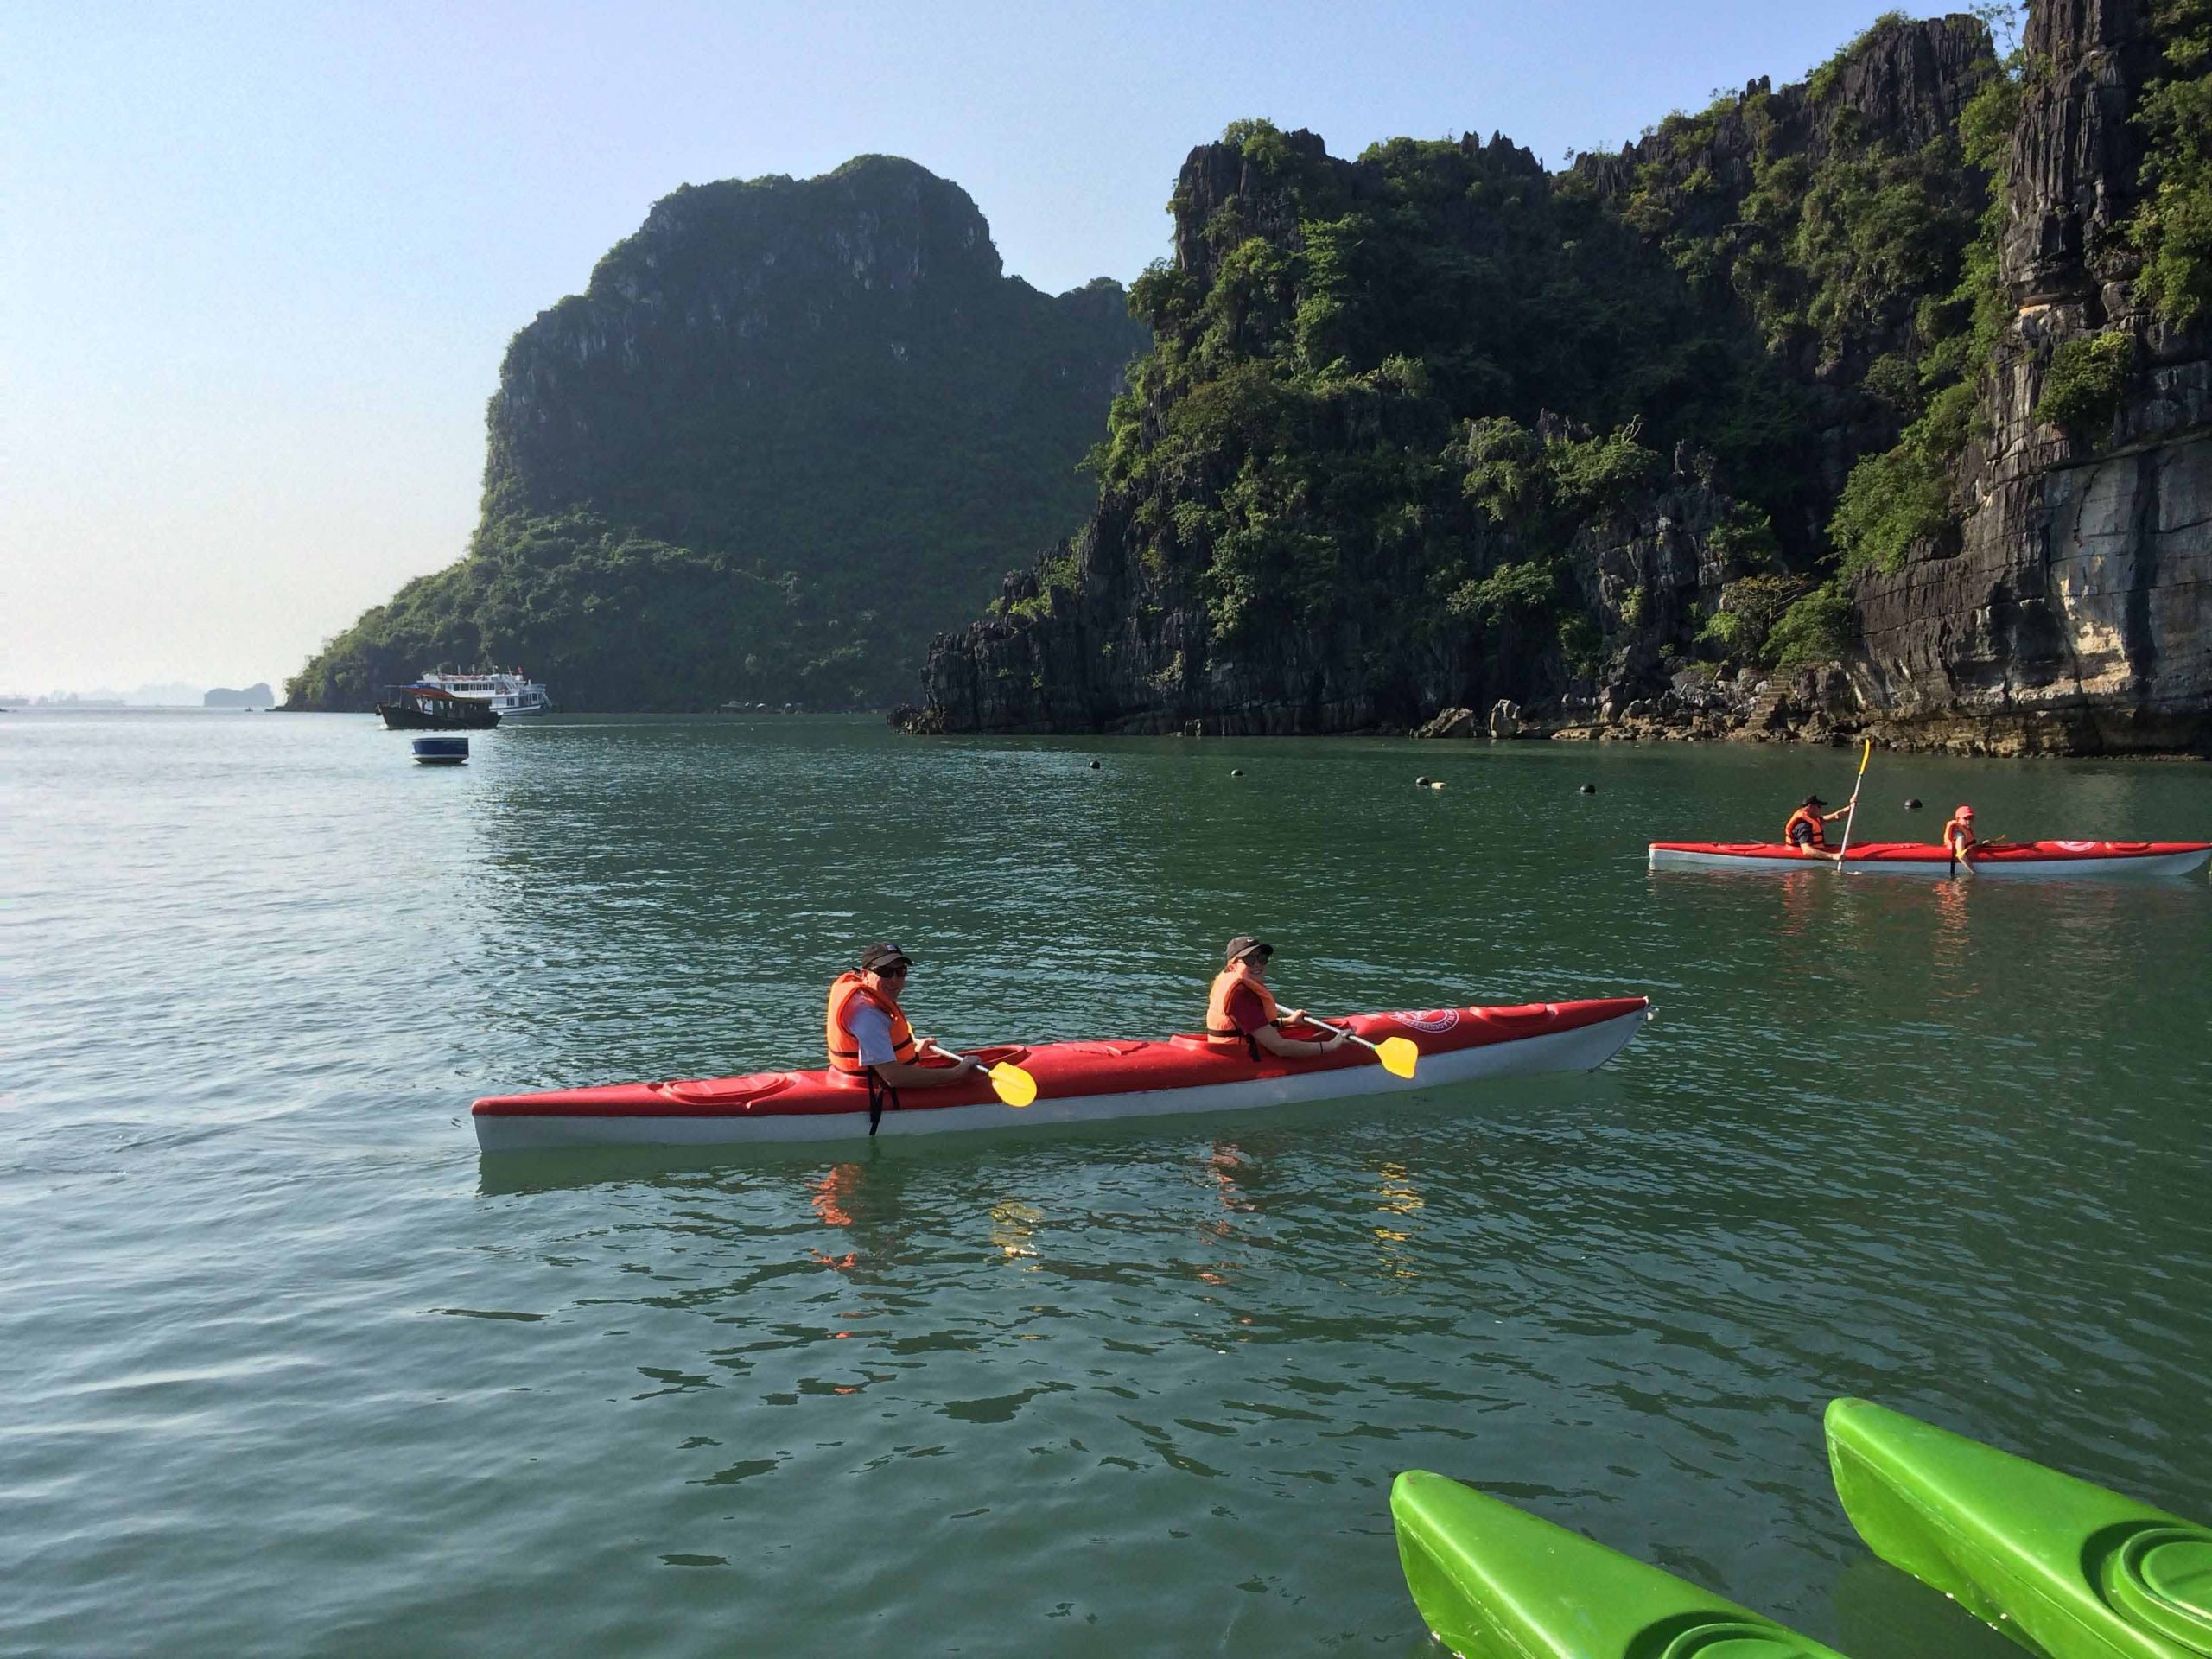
[[1077, 1082], [2030, 860]]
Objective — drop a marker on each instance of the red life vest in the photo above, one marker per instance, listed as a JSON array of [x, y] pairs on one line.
[[1958, 835], [1813, 821], [844, 1048], [1220, 1027]]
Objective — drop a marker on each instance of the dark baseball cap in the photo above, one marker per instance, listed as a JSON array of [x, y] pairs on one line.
[[1814, 800], [1245, 945], [877, 958]]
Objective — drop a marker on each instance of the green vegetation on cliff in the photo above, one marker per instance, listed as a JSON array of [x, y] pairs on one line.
[[792, 429], [1424, 375], [2174, 228]]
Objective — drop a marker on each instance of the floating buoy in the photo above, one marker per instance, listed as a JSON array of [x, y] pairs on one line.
[[1421, 782], [1094, 766], [1589, 789], [1236, 772], [1438, 783], [1912, 803]]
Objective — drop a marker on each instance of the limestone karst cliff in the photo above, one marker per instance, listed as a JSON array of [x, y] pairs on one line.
[[2075, 614], [789, 429], [1767, 425]]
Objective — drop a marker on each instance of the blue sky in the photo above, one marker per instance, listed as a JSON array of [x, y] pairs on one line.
[[262, 260]]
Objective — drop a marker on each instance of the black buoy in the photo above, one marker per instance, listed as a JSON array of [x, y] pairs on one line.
[[1094, 766], [1236, 772], [1589, 789], [1912, 803], [1421, 782]]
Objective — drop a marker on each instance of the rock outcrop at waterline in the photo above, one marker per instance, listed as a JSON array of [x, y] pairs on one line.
[[791, 430], [1804, 480]]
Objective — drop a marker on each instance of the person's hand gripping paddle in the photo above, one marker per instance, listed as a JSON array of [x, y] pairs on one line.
[[1013, 1085], [1398, 1054]]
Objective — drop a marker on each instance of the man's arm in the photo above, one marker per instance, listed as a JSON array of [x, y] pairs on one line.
[[1292, 1048], [905, 1074]]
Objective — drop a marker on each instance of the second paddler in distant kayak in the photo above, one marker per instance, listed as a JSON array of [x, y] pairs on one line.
[[1242, 1010]]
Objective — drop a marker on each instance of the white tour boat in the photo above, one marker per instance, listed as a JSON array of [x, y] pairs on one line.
[[507, 695]]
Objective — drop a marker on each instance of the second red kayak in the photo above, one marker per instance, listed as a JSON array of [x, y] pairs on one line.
[[1077, 1082], [2032, 861]]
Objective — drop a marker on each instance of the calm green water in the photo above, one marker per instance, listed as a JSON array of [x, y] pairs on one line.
[[288, 1369]]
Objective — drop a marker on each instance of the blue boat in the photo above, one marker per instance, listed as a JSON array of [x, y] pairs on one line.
[[440, 750]]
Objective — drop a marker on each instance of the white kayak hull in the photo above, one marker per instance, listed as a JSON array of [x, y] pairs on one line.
[[2042, 870]]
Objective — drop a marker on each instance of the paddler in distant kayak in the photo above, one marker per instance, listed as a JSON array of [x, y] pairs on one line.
[[1958, 834], [1806, 831], [868, 1031], [1241, 1009], [1959, 838]]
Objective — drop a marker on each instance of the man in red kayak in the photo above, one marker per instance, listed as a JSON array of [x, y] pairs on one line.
[[1806, 831], [1241, 1009], [868, 1031]]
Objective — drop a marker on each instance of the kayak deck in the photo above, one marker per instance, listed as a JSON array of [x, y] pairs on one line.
[[2016, 861], [2067, 1569], [1077, 1082], [1494, 1582]]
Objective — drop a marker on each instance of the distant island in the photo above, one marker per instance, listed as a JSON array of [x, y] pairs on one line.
[[256, 695], [792, 429]]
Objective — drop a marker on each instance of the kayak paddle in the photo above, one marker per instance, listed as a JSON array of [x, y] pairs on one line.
[[1013, 1085], [1397, 1054], [1851, 811]]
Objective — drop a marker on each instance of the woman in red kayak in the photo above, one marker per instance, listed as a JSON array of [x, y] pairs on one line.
[[1240, 1008], [1807, 830]]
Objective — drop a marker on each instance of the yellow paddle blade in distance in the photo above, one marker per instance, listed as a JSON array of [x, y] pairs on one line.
[[1013, 1085], [1398, 1056]]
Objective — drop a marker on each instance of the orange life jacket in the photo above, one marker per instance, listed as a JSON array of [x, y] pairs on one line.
[[1807, 816], [1958, 835], [1220, 1028], [844, 1049]]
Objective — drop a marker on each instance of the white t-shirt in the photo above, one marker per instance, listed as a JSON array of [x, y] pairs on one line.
[[871, 1029]]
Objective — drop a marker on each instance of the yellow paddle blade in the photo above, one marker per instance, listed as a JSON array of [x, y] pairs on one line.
[[1015, 1086], [1398, 1056], [1865, 754]]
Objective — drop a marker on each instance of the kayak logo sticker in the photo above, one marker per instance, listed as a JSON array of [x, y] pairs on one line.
[[2079, 846], [1430, 1020]]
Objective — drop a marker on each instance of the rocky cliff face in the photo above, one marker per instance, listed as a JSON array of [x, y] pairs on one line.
[[1121, 627], [2060, 603], [789, 429], [2076, 617]]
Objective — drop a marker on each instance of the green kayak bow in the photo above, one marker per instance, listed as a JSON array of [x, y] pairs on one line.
[[1495, 1583], [2064, 1568]]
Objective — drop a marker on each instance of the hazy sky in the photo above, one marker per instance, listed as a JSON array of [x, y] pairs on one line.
[[261, 261]]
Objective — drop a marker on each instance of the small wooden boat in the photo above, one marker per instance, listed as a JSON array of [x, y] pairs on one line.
[[1077, 1082], [433, 709], [2023, 861]]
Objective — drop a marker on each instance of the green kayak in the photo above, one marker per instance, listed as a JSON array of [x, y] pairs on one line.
[[2067, 1569], [1495, 1583]]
